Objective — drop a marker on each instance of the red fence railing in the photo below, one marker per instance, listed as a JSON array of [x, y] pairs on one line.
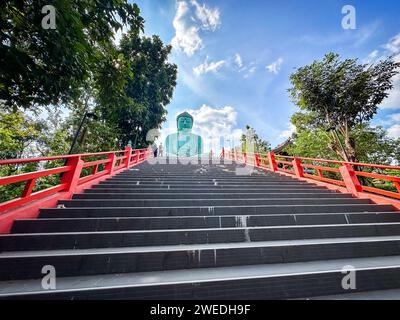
[[356, 177], [77, 170]]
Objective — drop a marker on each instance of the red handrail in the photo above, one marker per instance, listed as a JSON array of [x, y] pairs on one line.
[[71, 173], [342, 173]]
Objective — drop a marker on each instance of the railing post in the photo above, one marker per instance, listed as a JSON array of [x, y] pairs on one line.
[[350, 179], [111, 165], [257, 160], [135, 157], [71, 177], [272, 161], [128, 154], [298, 169], [30, 184]]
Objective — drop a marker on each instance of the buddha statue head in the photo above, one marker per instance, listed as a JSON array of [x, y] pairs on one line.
[[184, 122]]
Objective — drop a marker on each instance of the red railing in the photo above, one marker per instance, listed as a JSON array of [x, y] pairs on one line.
[[78, 170], [355, 177]]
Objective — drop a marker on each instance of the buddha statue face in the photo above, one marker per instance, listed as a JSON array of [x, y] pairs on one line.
[[185, 122]]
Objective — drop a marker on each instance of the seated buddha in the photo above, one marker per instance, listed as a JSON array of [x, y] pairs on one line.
[[184, 143]]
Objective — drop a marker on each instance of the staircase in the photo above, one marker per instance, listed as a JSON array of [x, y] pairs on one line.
[[203, 232]]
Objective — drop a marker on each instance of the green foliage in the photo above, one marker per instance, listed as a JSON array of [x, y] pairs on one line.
[[150, 89], [251, 142], [43, 67], [17, 133], [341, 95], [77, 66], [372, 143]]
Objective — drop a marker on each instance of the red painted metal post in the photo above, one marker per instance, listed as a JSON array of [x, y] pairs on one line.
[[298, 169], [397, 185], [223, 153], [350, 179], [71, 177], [30, 184], [272, 161], [135, 157], [128, 154], [257, 160], [245, 157], [111, 165]]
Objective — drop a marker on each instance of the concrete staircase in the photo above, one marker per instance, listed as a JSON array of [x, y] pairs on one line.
[[203, 232]]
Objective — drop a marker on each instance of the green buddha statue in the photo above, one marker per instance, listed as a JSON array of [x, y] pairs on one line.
[[184, 143]]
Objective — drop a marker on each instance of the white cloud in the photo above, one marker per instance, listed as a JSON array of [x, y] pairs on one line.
[[209, 17], [275, 67], [395, 117], [393, 101], [393, 45], [250, 71], [186, 37], [214, 124], [286, 134], [238, 60], [394, 131], [372, 57], [391, 48], [189, 19], [207, 67]]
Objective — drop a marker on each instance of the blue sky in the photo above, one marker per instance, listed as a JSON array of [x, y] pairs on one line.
[[234, 57]]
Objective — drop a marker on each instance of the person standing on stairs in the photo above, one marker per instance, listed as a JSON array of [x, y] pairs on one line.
[[155, 150]]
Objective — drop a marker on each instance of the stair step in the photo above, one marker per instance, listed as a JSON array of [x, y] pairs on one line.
[[206, 179], [204, 183], [207, 188], [271, 281], [88, 212], [28, 265], [108, 239], [390, 294], [183, 222], [205, 202], [206, 191], [182, 196]]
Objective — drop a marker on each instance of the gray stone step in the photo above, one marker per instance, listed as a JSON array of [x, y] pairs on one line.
[[88, 212], [205, 182], [219, 195], [124, 203], [271, 281], [175, 192], [181, 222], [208, 188], [109, 239], [78, 262]]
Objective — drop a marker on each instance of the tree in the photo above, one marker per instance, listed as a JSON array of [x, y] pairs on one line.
[[342, 95], [44, 66], [251, 142], [373, 144], [18, 133], [150, 89]]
